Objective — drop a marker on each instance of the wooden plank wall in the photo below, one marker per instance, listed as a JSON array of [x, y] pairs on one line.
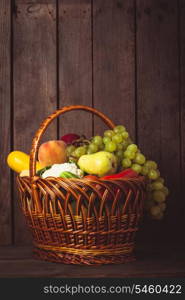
[[34, 58], [75, 63], [158, 95], [182, 97], [124, 57], [5, 127], [114, 61]]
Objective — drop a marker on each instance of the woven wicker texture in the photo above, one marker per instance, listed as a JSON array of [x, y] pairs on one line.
[[81, 221]]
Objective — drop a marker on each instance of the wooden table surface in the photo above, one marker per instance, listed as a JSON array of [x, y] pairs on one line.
[[152, 261]]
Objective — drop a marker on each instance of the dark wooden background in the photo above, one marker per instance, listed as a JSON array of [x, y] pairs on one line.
[[124, 57]]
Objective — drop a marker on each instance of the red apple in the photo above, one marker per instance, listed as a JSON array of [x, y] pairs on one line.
[[70, 137]]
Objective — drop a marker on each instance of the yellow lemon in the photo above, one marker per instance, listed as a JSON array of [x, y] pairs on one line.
[[19, 161]]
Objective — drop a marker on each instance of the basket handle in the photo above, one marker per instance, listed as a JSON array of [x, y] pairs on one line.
[[49, 119]]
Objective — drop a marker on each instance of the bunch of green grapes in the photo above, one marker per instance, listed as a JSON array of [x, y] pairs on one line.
[[129, 156], [118, 142]]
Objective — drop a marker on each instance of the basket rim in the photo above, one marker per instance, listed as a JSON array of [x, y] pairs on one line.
[[139, 178]]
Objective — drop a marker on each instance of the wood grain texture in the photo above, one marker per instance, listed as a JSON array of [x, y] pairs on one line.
[[5, 123], [35, 2], [158, 104], [114, 61], [34, 81], [75, 65], [182, 97], [95, 65], [164, 261]]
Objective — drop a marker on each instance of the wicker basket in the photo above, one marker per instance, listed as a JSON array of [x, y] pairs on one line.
[[81, 221]]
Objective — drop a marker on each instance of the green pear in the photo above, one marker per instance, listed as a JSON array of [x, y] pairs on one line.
[[100, 163]]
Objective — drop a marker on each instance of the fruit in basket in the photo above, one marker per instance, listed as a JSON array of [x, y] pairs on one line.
[[69, 138], [128, 155], [52, 152], [137, 168], [103, 156], [19, 161], [97, 140], [126, 162], [110, 147], [101, 163], [159, 196]]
